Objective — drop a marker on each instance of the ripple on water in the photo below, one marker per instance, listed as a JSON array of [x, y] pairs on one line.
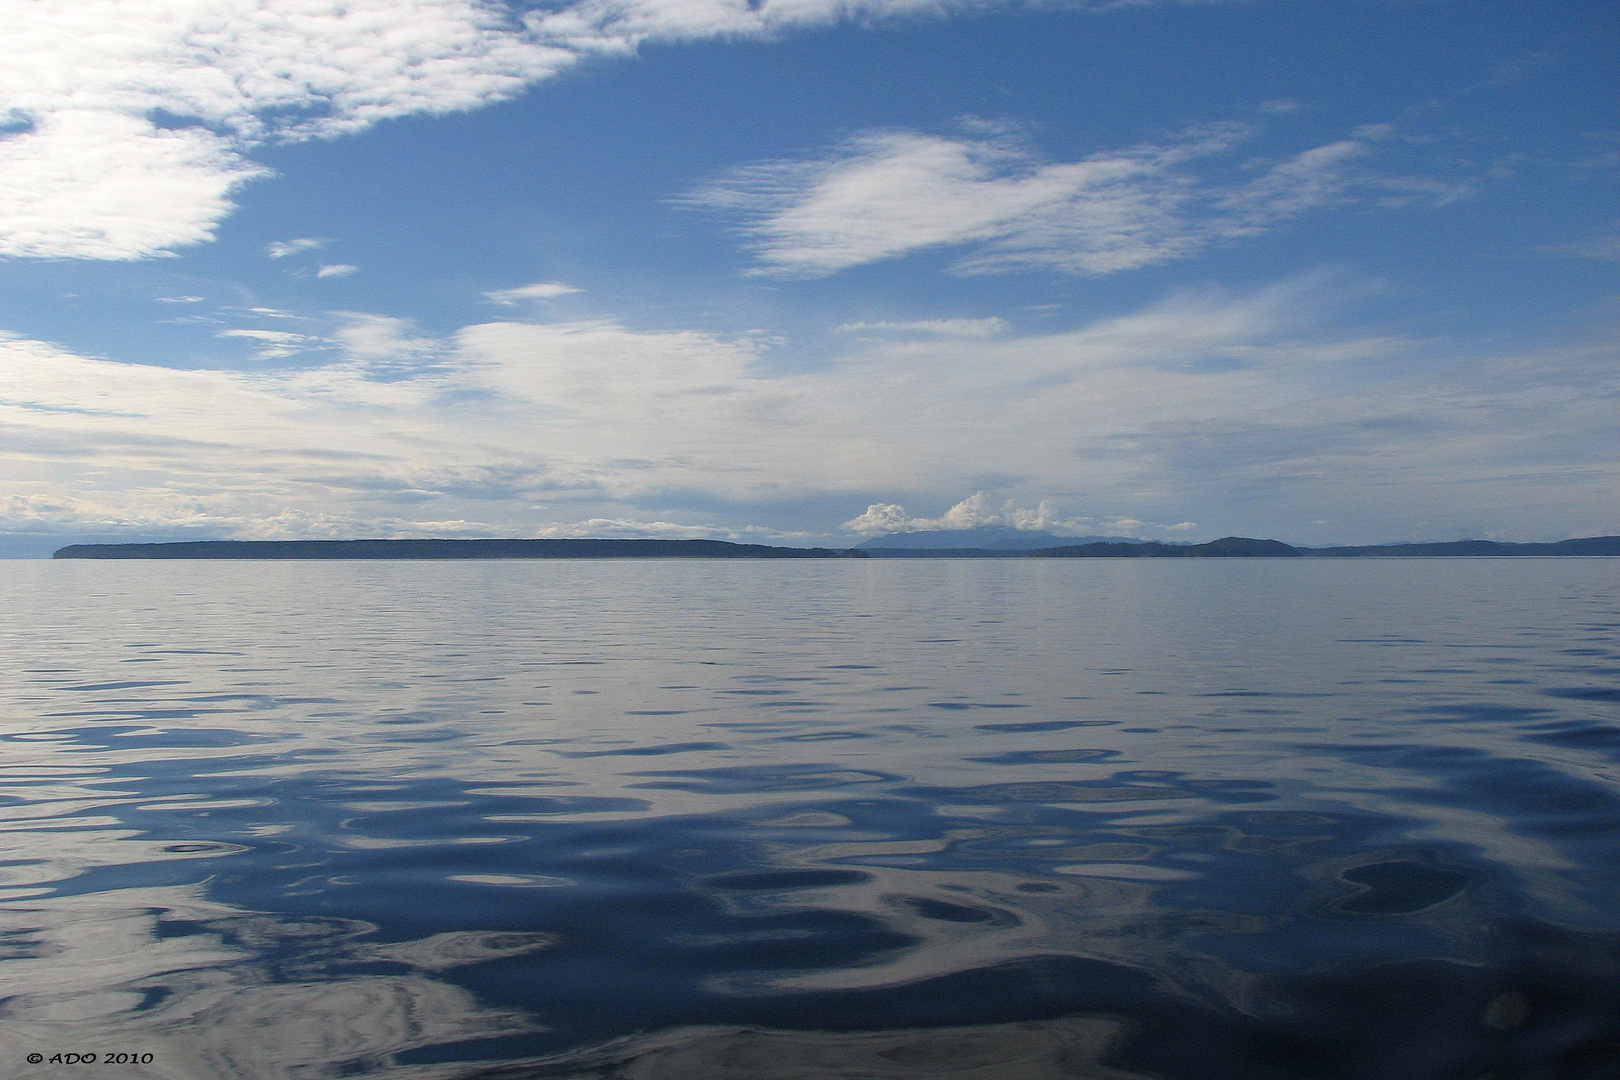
[[879, 821]]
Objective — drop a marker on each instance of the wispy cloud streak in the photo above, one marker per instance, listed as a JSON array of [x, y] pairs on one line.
[[883, 194], [126, 126]]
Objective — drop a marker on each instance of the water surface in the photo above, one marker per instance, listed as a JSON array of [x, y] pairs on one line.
[[940, 818]]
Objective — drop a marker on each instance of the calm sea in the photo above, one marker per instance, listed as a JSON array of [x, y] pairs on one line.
[[894, 819]]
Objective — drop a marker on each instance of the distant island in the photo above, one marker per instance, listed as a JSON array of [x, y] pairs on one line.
[[1228, 547], [448, 549], [1242, 547]]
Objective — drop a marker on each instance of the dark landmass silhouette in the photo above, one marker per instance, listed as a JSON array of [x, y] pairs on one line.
[[1243, 547], [447, 549], [1228, 547]]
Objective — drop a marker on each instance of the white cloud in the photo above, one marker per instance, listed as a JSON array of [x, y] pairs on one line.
[[1234, 410], [965, 328], [540, 290], [380, 339], [634, 528], [336, 270], [179, 299], [883, 194], [137, 117], [277, 343], [280, 249], [618, 26], [1282, 106], [262, 335], [979, 511], [97, 184]]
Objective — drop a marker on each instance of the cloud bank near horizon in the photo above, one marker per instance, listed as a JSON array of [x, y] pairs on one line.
[[979, 511], [1229, 409]]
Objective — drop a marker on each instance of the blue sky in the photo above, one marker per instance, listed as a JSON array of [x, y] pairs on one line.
[[803, 271]]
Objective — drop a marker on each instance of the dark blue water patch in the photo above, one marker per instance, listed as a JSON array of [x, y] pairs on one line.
[[1041, 987], [1412, 1021], [656, 712], [746, 779], [1232, 790], [1401, 887], [646, 751], [1033, 757], [107, 736], [642, 942], [823, 736], [152, 997], [131, 685], [1046, 725], [1578, 813], [1048, 791], [426, 735], [976, 705], [774, 880], [1585, 693], [1581, 735], [1545, 800], [944, 911], [1522, 1017], [775, 942]]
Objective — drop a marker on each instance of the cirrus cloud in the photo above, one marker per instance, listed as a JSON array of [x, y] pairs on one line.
[[540, 290], [126, 126], [886, 193]]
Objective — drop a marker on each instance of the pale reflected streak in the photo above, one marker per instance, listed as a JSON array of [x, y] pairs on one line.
[[107, 971]]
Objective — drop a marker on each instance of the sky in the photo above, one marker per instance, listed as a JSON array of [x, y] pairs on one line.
[[808, 271]]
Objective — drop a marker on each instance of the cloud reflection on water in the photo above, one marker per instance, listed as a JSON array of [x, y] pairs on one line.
[[214, 991], [628, 821]]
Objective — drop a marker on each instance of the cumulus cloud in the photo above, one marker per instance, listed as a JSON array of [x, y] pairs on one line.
[[336, 270], [540, 290], [979, 511], [128, 124], [97, 184], [883, 194]]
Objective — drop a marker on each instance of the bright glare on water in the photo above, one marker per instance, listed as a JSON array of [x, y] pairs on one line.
[[1004, 819]]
